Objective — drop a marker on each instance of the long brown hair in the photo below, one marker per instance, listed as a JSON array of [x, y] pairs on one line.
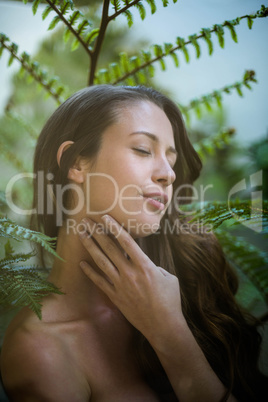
[[207, 282]]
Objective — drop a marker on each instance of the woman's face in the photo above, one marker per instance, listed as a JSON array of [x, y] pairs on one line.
[[133, 174]]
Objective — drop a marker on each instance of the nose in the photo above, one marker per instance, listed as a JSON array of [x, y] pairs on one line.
[[163, 172]]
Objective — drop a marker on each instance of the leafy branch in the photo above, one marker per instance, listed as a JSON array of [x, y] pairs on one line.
[[134, 69], [137, 4], [73, 19], [10, 229], [237, 211], [216, 95], [12, 157], [76, 18], [22, 285], [247, 258], [50, 84], [211, 144]]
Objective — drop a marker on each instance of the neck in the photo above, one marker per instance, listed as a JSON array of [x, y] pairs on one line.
[[81, 296]]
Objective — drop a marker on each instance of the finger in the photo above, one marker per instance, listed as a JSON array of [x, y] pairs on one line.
[[98, 256], [97, 279], [110, 246], [125, 240]]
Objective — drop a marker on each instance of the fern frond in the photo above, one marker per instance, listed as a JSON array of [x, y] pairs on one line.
[[10, 229], [215, 97], [12, 157], [50, 84], [22, 122], [124, 8], [9, 250], [216, 213], [182, 44], [208, 146], [22, 286], [14, 258], [73, 19], [252, 261]]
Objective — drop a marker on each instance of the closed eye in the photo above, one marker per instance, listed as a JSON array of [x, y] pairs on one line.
[[142, 151]]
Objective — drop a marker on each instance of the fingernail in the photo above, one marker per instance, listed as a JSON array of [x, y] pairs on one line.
[[107, 218], [82, 234], [83, 264]]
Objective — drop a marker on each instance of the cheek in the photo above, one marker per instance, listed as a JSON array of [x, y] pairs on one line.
[[101, 192]]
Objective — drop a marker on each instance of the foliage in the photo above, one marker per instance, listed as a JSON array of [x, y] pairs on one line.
[[85, 33], [22, 285], [251, 260]]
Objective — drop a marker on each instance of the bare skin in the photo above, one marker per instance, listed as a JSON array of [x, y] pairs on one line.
[[82, 350], [78, 352]]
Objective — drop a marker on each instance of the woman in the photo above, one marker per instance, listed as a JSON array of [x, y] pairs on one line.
[[148, 311]]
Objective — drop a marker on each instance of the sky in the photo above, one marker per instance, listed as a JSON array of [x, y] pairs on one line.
[[249, 115]]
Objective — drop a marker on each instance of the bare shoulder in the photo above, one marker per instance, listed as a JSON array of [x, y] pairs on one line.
[[36, 365]]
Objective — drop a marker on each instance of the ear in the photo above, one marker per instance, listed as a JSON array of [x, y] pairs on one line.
[[65, 145], [75, 172]]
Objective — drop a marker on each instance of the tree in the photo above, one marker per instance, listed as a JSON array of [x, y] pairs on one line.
[[87, 33]]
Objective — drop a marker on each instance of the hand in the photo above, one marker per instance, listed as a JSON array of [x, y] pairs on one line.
[[147, 295]]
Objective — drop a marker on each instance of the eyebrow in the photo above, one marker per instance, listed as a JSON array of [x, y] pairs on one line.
[[155, 139]]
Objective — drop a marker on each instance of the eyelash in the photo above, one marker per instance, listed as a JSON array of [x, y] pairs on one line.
[[142, 151], [146, 153]]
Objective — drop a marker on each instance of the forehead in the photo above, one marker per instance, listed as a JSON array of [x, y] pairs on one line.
[[144, 116]]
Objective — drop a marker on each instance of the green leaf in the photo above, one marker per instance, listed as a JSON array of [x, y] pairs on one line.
[[104, 76], [165, 3], [167, 47], [116, 4], [66, 6], [263, 12], [250, 21], [10, 60], [74, 17], [91, 36], [207, 37], [181, 44], [230, 26], [75, 44], [124, 62], [25, 57], [46, 12], [9, 250], [152, 5], [158, 50], [220, 34], [141, 9], [115, 70], [238, 89], [35, 6], [82, 26], [218, 98], [22, 286], [193, 39], [10, 229], [175, 59], [66, 35], [54, 22], [129, 17]]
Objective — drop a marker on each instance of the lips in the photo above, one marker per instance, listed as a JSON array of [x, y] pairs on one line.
[[157, 199]]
